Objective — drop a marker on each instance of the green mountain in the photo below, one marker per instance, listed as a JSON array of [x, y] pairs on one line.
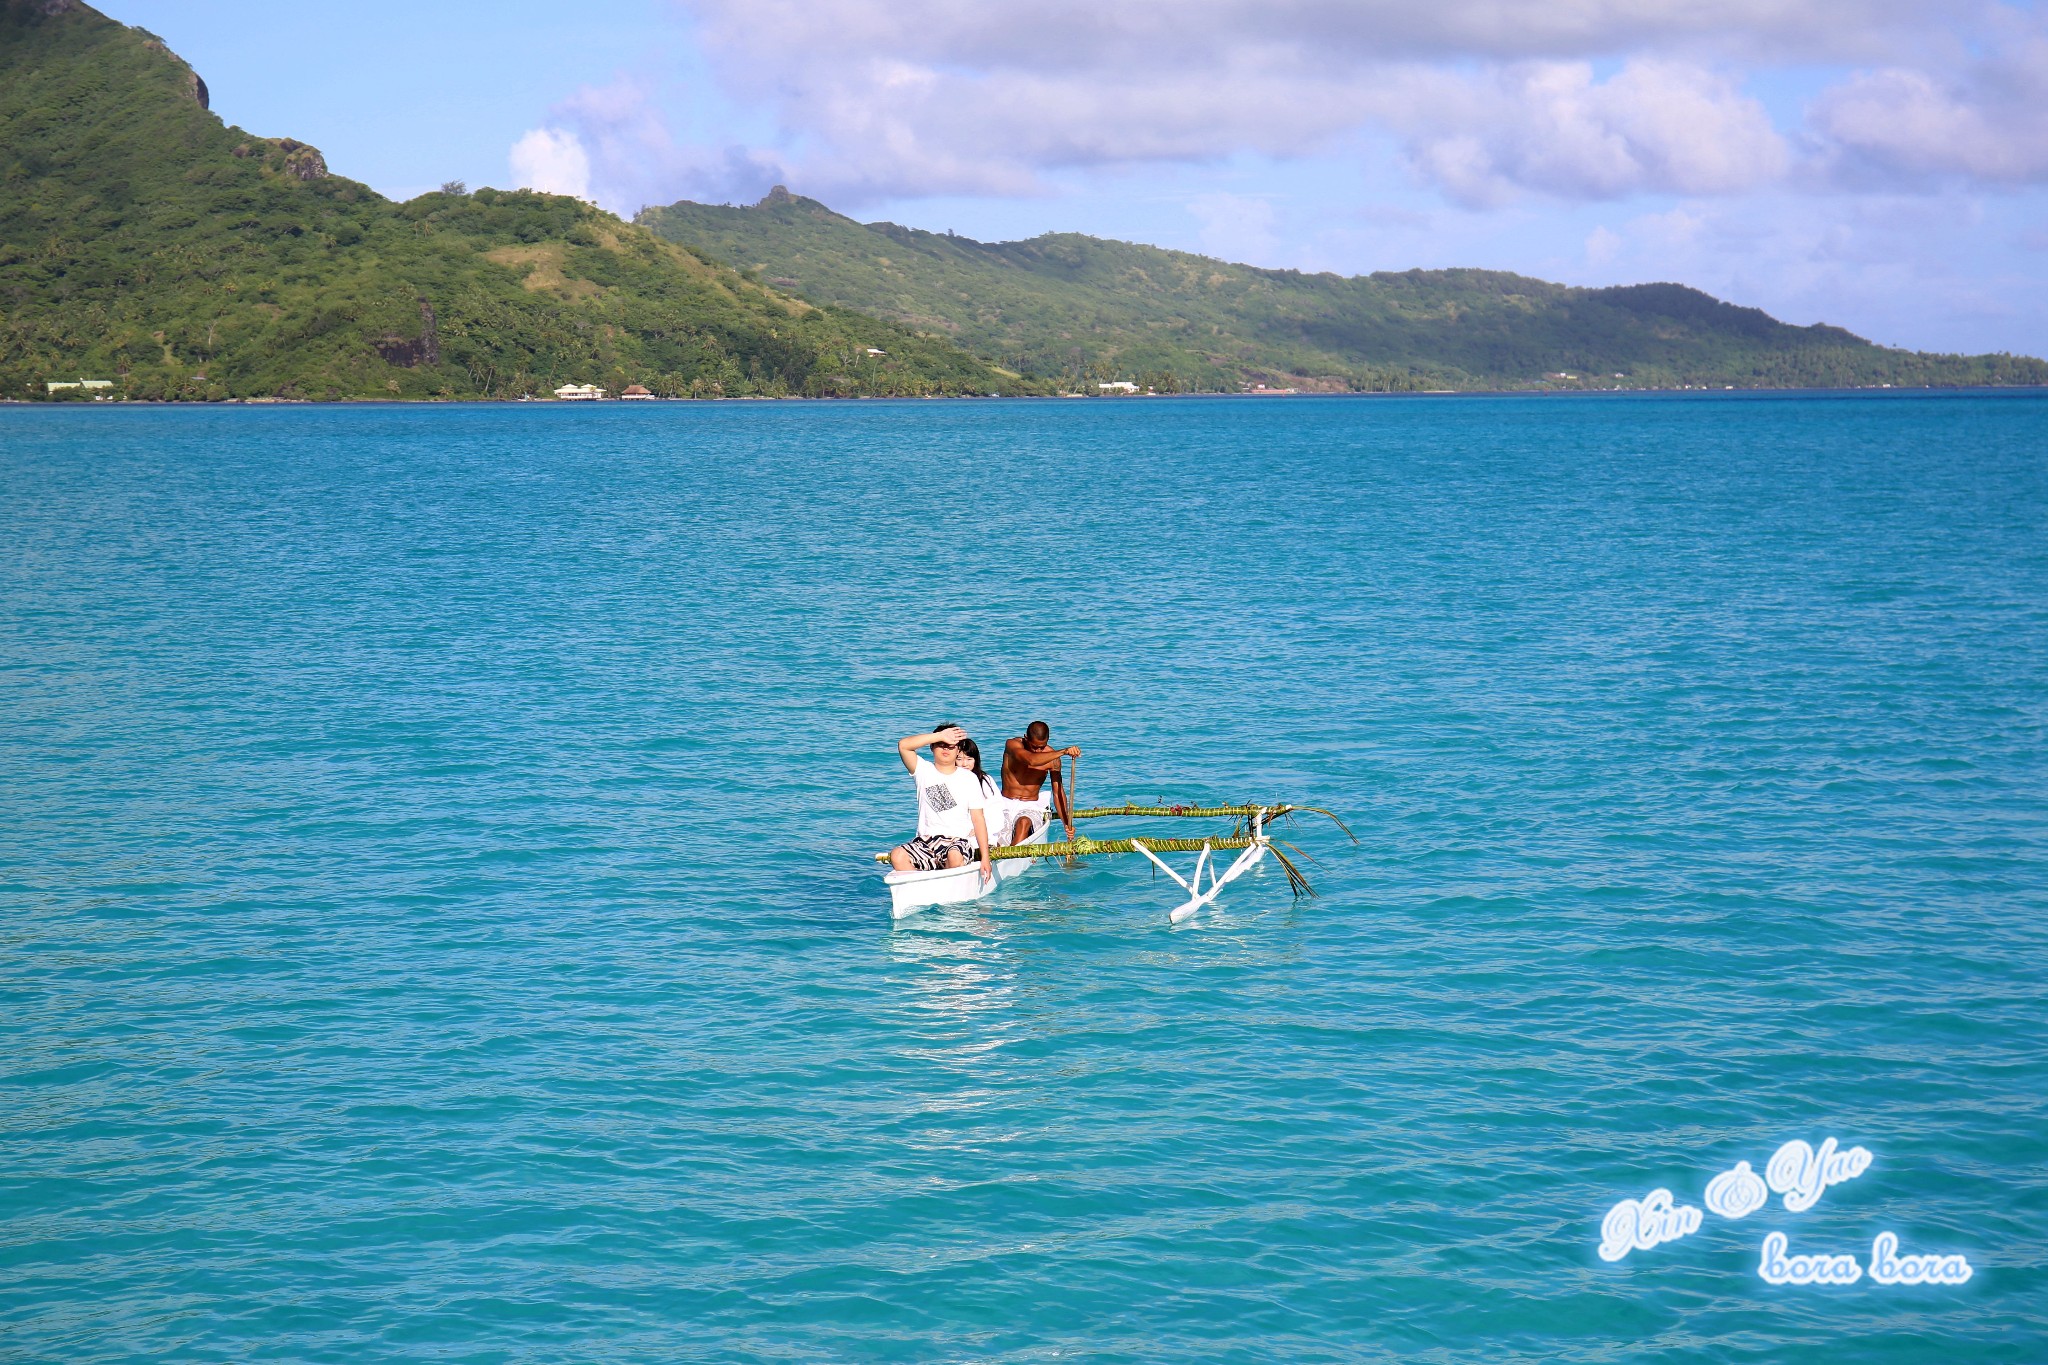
[[143, 240], [1083, 310]]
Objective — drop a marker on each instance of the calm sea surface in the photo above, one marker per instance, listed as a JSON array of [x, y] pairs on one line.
[[436, 921]]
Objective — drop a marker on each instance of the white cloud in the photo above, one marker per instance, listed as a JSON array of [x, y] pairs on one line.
[[1061, 37], [552, 160], [1550, 126], [614, 140], [893, 98], [898, 130], [1987, 122], [1490, 101]]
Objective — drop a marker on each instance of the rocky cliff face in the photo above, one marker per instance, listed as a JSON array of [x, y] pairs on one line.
[[410, 352], [286, 156], [302, 162]]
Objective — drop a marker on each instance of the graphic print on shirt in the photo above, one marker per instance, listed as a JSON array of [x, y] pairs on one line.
[[939, 797]]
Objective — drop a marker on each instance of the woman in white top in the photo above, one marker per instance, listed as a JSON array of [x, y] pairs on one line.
[[951, 826], [970, 759]]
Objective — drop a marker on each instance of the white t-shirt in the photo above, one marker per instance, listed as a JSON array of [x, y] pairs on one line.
[[944, 800]]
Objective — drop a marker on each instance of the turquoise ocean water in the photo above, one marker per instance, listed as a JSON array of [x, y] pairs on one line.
[[436, 923]]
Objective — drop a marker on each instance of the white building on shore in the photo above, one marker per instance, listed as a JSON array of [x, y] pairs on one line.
[[579, 393]]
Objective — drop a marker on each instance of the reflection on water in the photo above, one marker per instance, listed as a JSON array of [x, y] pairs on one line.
[[957, 970]]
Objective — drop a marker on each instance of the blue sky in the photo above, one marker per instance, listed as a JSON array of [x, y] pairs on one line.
[[1878, 164]]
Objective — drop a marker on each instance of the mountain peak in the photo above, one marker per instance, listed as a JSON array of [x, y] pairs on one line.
[[149, 243], [779, 195]]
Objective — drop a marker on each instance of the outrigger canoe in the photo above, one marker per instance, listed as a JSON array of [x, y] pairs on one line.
[[1248, 837], [910, 892]]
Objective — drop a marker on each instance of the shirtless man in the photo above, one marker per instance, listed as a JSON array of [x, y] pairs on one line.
[[1027, 762]]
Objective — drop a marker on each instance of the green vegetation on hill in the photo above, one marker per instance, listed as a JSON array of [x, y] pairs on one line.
[[1082, 310], [143, 240]]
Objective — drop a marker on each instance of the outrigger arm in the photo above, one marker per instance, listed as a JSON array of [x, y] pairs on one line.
[[1197, 897]]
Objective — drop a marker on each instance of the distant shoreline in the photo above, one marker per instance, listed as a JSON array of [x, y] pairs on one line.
[[1868, 390]]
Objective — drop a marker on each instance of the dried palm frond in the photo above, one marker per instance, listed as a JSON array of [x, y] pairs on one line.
[[1242, 814], [1296, 882], [1081, 848], [1190, 812]]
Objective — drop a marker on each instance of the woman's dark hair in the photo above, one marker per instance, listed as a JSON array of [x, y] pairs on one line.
[[970, 754]]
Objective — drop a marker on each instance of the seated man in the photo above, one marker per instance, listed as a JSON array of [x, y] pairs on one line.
[[950, 824], [1027, 762]]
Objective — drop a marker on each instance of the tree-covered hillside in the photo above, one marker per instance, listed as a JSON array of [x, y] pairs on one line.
[[1082, 309], [143, 240]]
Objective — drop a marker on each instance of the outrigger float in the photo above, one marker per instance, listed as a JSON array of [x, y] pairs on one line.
[[1249, 837]]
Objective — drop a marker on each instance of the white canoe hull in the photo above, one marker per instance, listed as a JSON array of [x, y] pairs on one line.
[[910, 892]]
